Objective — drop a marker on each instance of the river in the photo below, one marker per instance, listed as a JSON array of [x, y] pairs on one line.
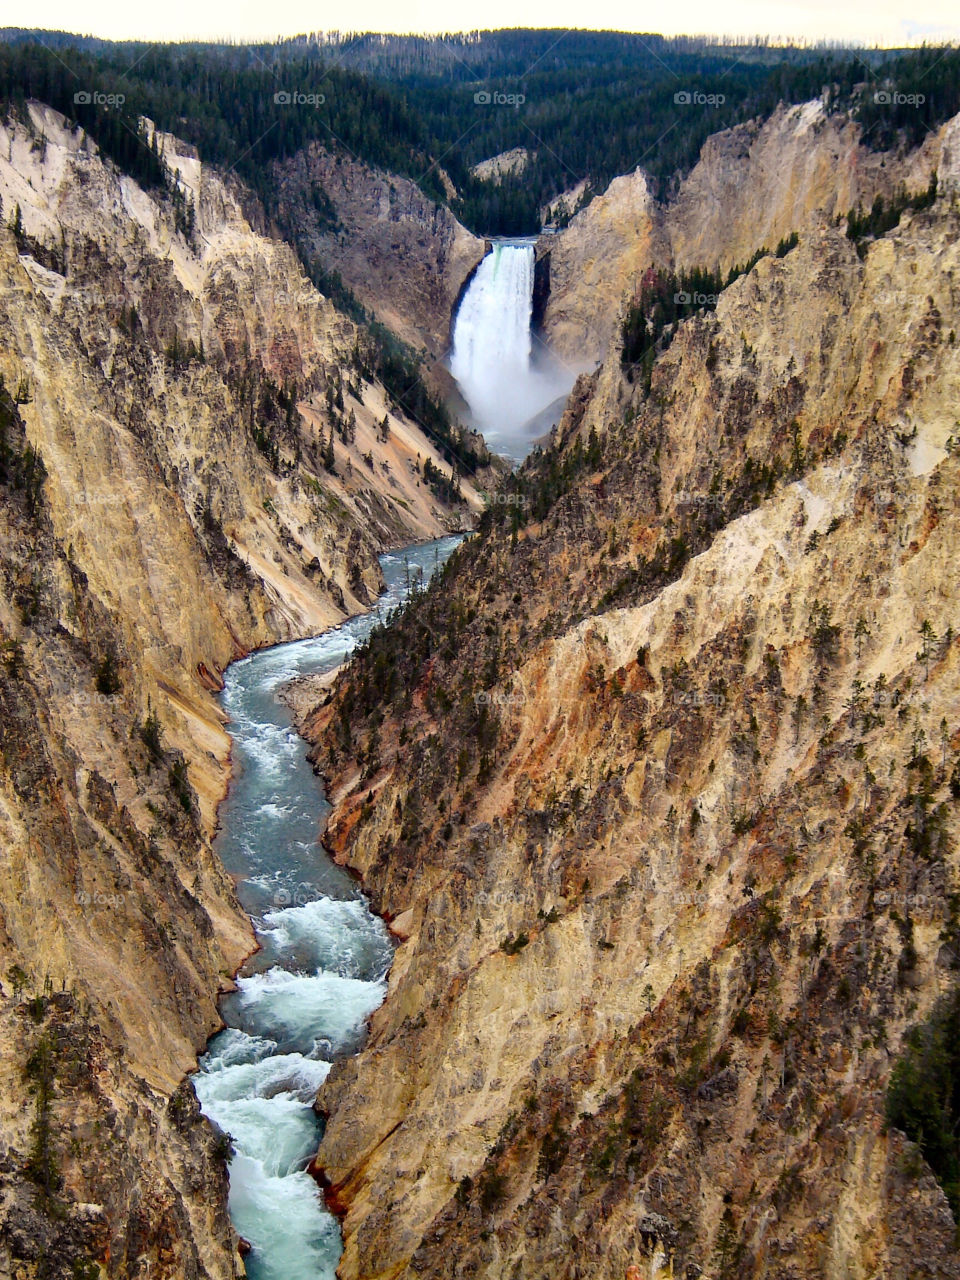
[[305, 998]]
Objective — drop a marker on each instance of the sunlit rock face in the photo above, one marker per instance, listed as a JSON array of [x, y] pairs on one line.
[[666, 816], [753, 186], [401, 254], [181, 391]]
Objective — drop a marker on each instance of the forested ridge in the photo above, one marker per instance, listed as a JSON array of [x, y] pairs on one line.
[[586, 105]]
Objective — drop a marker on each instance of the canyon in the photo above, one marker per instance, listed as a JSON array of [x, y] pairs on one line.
[[171, 403], [665, 816], [752, 186], [656, 786], [404, 256]]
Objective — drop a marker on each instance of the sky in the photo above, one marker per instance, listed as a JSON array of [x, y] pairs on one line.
[[883, 22]]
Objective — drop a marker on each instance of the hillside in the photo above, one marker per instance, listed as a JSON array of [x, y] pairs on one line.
[[590, 106], [664, 808], [657, 784], [402, 255], [194, 463], [752, 187]]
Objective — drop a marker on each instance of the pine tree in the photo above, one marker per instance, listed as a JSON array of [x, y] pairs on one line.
[[727, 1249], [928, 638], [860, 633]]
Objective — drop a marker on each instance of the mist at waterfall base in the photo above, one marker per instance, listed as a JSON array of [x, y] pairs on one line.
[[304, 999], [507, 377]]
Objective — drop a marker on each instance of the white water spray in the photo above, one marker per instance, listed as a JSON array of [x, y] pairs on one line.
[[504, 381]]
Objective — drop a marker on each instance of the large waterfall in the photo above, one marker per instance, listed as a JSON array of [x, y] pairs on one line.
[[506, 383]]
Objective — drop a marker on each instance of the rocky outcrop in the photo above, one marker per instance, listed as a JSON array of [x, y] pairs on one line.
[[505, 165], [670, 842], [118, 925], [591, 261], [217, 459], [194, 462], [403, 256], [753, 186]]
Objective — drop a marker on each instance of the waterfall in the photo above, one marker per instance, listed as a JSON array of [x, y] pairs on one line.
[[505, 383], [491, 340]]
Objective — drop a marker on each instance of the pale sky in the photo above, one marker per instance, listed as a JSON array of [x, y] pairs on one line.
[[883, 22]]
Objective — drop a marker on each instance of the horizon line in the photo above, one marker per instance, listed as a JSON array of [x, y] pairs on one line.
[[335, 35]]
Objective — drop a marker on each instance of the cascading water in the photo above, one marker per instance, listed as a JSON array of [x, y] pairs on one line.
[[491, 340], [304, 998], [506, 383]]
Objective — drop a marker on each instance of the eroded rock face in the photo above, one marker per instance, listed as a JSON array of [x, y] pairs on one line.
[[196, 464], [167, 410], [590, 261], [505, 164], [116, 921], [403, 256], [672, 834], [753, 186]]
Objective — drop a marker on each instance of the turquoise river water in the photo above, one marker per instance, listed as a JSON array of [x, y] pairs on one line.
[[305, 998]]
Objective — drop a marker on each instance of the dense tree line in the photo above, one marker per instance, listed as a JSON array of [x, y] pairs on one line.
[[883, 216], [223, 101], [912, 94], [594, 104], [595, 126], [924, 1094], [664, 298], [239, 110], [29, 70]]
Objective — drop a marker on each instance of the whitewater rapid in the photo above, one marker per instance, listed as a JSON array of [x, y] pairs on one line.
[[507, 378], [304, 999]]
